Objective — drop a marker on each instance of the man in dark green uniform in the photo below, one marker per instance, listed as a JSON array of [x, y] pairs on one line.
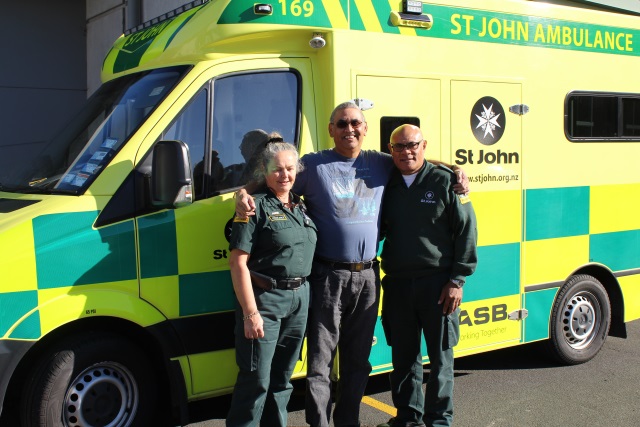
[[429, 250]]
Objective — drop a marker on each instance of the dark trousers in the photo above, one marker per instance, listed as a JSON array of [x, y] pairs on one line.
[[409, 309], [344, 310], [263, 387]]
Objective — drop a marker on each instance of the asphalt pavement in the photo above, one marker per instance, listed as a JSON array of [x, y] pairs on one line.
[[515, 387]]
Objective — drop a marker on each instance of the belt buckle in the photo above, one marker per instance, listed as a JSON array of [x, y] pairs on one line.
[[357, 266], [292, 284]]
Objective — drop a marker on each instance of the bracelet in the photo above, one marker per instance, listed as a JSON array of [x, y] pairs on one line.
[[249, 316]]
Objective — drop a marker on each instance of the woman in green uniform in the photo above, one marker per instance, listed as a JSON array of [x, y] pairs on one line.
[[271, 255]]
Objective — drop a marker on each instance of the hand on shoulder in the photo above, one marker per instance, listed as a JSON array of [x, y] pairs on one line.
[[245, 205]]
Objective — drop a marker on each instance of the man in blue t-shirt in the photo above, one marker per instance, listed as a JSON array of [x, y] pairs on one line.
[[342, 188]]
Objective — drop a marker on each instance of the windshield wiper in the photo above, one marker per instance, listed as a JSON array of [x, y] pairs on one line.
[[22, 189], [44, 183]]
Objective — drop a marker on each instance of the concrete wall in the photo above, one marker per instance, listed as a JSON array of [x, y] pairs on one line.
[[52, 53], [106, 20], [43, 73]]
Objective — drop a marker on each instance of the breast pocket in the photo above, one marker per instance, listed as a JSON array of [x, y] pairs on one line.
[[283, 233]]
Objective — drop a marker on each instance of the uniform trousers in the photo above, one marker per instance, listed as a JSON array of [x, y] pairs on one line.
[[344, 310], [263, 387], [409, 309]]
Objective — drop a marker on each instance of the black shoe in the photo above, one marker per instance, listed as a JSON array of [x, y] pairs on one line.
[[387, 424], [393, 423]]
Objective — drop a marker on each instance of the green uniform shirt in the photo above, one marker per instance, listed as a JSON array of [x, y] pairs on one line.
[[281, 242], [428, 228]]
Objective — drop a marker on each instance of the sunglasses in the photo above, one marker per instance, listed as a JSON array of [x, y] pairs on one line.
[[273, 140], [398, 148], [342, 124]]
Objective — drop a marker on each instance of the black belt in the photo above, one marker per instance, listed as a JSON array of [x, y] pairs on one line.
[[269, 283], [351, 266]]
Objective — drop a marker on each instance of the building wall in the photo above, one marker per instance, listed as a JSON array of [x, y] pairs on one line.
[[43, 73], [52, 55]]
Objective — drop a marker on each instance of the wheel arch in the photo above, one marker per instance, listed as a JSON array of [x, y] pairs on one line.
[[608, 280], [155, 337]]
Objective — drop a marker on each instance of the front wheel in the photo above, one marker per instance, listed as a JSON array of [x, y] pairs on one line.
[[580, 320], [90, 381]]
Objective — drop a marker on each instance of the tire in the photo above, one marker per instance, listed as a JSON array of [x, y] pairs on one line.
[[580, 320], [90, 380]]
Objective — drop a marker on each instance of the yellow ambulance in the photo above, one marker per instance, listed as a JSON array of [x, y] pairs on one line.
[[115, 294]]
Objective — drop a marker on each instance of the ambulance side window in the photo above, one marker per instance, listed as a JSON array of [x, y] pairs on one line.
[[191, 128], [602, 116], [246, 104]]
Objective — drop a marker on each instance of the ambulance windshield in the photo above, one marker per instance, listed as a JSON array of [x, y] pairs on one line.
[[74, 157]]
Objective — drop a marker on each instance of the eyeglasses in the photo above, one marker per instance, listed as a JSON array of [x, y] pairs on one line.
[[341, 124], [398, 148]]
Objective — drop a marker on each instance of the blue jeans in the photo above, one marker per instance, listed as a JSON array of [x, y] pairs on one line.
[[343, 314]]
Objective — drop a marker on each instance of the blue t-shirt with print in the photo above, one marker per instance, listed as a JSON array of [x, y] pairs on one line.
[[343, 197]]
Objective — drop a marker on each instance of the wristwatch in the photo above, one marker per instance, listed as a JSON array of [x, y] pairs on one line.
[[457, 282]]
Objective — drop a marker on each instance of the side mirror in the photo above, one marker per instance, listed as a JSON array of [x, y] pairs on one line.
[[171, 180]]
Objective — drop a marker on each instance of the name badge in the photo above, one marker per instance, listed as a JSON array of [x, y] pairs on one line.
[[278, 216]]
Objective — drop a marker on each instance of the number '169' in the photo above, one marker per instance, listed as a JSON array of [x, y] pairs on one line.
[[297, 7]]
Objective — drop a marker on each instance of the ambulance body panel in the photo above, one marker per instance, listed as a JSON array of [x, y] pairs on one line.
[[107, 240]]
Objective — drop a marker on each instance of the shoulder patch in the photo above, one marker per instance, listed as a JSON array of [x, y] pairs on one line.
[[464, 198]]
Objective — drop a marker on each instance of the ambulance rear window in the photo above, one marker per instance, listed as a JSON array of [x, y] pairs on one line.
[[598, 116]]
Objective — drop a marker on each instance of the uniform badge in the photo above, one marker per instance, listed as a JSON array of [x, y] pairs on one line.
[[277, 216], [429, 197], [238, 219], [464, 198]]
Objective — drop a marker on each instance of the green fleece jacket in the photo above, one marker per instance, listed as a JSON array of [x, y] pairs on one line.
[[427, 228]]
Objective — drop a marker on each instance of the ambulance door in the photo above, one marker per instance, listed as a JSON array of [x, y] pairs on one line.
[[184, 253], [398, 100], [486, 141], [401, 97]]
